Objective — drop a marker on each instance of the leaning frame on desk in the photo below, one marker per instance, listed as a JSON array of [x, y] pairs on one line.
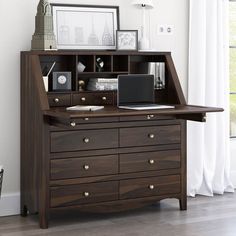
[[104, 161]]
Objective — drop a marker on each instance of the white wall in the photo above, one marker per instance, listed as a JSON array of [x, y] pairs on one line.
[[17, 27]]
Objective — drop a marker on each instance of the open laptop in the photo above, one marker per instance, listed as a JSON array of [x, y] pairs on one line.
[[136, 92]]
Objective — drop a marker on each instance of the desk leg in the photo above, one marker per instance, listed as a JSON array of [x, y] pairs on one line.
[[183, 204]]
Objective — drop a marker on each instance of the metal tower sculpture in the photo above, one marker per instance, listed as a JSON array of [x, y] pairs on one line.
[[44, 37]]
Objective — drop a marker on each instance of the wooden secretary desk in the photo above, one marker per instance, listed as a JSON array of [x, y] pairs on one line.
[[102, 161]]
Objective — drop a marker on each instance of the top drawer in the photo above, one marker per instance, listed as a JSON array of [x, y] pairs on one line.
[[93, 99], [59, 100], [151, 135], [69, 141]]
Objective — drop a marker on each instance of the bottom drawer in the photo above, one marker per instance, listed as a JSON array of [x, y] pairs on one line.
[[147, 187], [84, 193]]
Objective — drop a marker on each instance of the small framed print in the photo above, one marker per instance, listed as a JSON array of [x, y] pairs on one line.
[[127, 40], [61, 81]]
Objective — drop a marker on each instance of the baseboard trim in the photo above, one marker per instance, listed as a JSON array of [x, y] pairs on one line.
[[10, 204], [233, 178]]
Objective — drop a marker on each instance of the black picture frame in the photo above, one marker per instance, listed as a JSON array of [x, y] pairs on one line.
[[125, 47], [92, 9]]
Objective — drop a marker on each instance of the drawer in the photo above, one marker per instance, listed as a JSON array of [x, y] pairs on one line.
[[152, 135], [93, 99], [84, 167], [149, 161], [83, 194], [59, 100], [147, 187], [66, 141]]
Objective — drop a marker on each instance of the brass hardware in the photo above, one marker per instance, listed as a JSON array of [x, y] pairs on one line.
[[104, 98], [83, 99], [86, 194], [149, 117], [56, 100], [151, 187], [151, 136], [151, 162], [73, 124], [86, 167], [86, 119], [86, 140]]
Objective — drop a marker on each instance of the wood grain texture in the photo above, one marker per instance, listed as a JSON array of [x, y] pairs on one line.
[[75, 195], [153, 135], [76, 140], [150, 161], [84, 167], [146, 187]]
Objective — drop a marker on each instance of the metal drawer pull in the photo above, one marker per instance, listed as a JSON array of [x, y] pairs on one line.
[[83, 99], [86, 119], [86, 140], [151, 187], [56, 100], [86, 167], [86, 194], [149, 117], [73, 124], [152, 136], [151, 162], [104, 98]]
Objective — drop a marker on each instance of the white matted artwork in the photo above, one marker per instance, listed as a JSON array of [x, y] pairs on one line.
[[85, 26], [127, 40]]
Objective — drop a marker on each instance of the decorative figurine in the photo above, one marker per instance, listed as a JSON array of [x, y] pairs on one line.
[[44, 37], [81, 85], [100, 64]]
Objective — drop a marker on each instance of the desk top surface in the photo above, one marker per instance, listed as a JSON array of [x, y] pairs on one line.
[[111, 111]]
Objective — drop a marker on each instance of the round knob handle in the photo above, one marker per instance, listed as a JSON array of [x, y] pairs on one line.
[[151, 187], [56, 100], [151, 162], [86, 167], [151, 136], [86, 119], [104, 98], [73, 124], [86, 194], [86, 140], [83, 99], [149, 117]]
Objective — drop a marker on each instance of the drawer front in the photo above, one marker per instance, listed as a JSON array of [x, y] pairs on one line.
[[59, 100], [84, 167], [91, 120], [83, 194], [147, 187], [149, 161], [144, 118], [152, 135], [93, 99], [84, 140]]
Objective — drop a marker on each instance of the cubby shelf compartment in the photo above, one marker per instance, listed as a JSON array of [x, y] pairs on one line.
[[121, 63], [64, 63], [88, 62]]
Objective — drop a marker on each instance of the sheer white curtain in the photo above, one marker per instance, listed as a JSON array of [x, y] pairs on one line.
[[208, 144]]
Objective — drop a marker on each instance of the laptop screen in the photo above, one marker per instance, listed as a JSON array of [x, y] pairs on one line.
[[135, 89]]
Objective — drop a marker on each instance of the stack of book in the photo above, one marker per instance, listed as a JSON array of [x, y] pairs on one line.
[[102, 84]]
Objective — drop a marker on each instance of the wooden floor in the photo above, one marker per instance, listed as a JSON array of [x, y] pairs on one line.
[[205, 217]]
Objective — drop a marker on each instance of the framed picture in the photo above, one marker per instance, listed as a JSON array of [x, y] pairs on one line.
[[85, 26], [127, 40]]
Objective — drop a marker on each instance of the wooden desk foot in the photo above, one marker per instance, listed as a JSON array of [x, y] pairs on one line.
[[183, 204]]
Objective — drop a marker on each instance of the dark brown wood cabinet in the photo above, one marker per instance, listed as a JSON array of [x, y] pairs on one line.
[[103, 161]]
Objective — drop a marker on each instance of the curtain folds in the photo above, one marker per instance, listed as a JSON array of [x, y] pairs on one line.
[[208, 144]]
